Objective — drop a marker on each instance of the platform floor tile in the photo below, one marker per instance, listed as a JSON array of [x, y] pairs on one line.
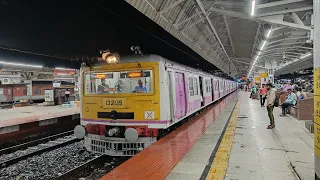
[[284, 153]]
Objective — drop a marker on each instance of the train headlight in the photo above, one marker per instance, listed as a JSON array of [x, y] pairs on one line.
[[111, 58], [79, 131], [131, 135]]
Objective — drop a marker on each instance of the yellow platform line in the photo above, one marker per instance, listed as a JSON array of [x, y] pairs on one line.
[[220, 162]]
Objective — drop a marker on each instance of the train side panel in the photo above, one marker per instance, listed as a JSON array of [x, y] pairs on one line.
[[207, 90]]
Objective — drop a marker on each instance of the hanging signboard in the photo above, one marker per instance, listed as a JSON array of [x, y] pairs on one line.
[[64, 71], [264, 75], [257, 79]]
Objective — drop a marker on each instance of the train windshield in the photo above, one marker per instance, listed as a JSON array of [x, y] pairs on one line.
[[123, 82]]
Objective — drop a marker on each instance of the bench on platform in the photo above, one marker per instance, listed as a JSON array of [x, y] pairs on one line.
[[304, 108], [282, 96]]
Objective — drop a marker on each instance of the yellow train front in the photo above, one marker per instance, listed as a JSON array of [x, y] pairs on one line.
[[120, 107], [127, 106]]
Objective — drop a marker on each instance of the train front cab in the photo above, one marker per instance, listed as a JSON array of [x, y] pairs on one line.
[[117, 120]]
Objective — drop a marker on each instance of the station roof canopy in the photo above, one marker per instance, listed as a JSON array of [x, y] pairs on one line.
[[239, 36]]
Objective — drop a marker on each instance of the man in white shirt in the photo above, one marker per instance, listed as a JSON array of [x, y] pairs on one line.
[[67, 93]]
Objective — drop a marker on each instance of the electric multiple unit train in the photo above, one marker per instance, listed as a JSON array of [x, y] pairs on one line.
[[128, 105]]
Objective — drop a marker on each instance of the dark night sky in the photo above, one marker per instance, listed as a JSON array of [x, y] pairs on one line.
[[73, 29]]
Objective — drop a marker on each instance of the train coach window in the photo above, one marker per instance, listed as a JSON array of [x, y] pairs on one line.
[[216, 86], [195, 86], [191, 86], [124, 82], [208, 85]]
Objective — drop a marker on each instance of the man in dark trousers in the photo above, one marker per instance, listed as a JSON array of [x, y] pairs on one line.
[[271, 96]]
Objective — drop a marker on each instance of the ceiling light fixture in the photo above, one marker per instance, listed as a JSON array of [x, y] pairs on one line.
[[306, 55], [263, 44], [253, 6], [269, 32]]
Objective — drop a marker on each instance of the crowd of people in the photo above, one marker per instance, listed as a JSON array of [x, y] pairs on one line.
[[296, 91]]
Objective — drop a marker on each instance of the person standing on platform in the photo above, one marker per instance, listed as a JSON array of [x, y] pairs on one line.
[[253, 91], [271, 96], [263, 94], [67, 93]]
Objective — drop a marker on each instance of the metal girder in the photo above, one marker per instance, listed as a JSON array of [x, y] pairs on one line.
[[272, 20], [287, 56], [266, 19], [214, 31], [278, 28], [294, 47], [229, 3], [208, 35], [281, 54], [295, 66], [285, 11], [188, 19], [181, 12], [185, 35], [283, 34], [285, 39], [232, 13], [277, 3], [192, 24], [228, 31], [284, 44], [296, 19], [171, 6], [248, 64]]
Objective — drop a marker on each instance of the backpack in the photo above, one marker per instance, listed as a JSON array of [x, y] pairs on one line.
[[276, 101]]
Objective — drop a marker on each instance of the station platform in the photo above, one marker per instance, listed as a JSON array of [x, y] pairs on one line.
[[31, 117], [230, 140], [21, 115]]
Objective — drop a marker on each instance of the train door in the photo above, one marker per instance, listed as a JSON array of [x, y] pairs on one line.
[[181, 103], [201, 89], [213, 84]]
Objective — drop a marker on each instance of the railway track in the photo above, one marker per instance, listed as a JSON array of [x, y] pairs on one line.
[[15, 157], [98, 160], [34, 142]]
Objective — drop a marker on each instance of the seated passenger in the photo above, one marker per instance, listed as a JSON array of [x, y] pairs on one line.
[[140, 88], [121, 86], [290, 101], [103, 88]]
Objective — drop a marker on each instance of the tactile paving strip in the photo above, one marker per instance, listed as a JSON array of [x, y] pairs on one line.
[[219, 166]]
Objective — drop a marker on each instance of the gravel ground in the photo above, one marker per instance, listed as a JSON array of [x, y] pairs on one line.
[[48, 165], [29, 150], [100, 171]]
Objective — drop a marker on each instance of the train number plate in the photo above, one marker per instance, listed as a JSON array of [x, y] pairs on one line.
[[114, 103]]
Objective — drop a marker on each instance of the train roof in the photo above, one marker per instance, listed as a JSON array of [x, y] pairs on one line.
[[157, 58]]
